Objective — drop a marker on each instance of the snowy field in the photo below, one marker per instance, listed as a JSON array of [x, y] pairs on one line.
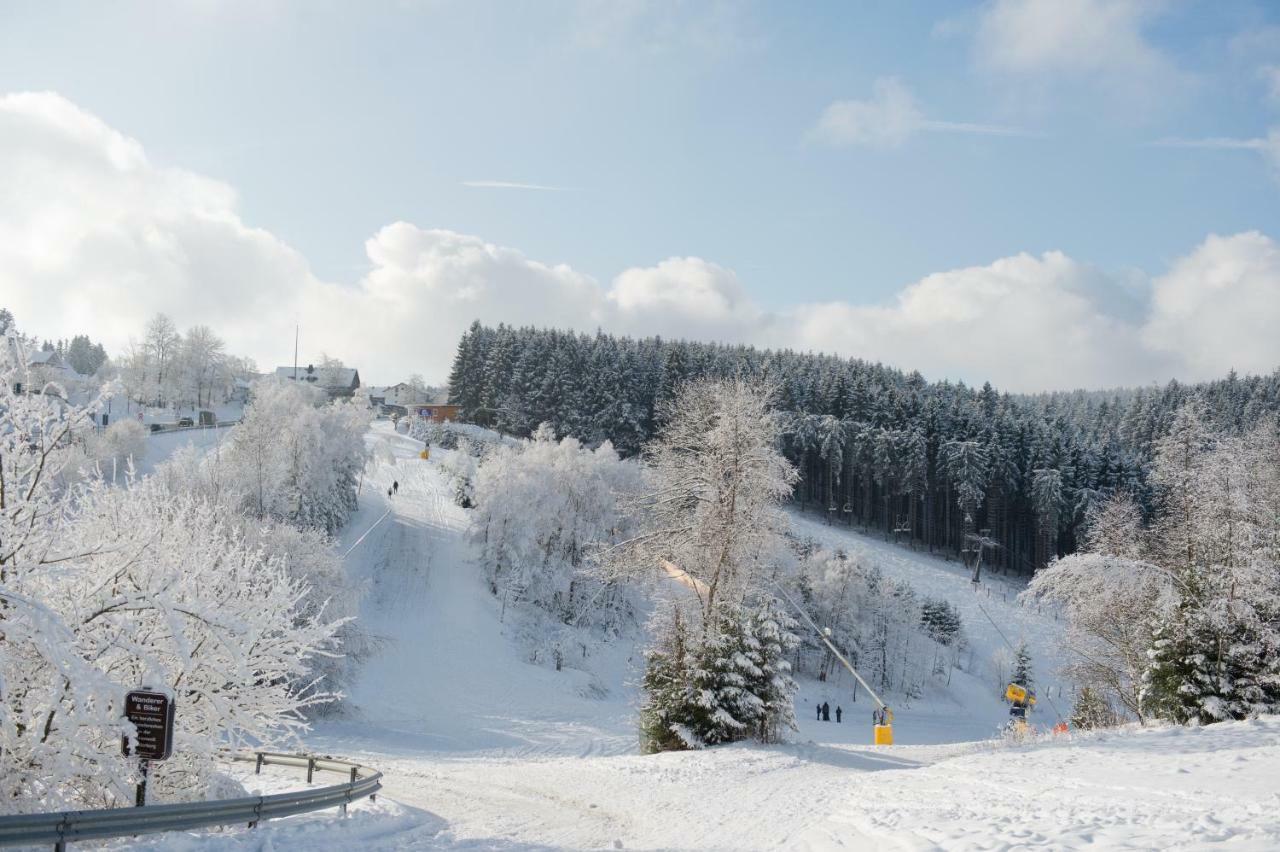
[[482, 750]]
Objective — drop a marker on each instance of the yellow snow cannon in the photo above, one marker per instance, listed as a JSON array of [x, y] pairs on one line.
[[1016, 693], [424, 455], [883, 729]]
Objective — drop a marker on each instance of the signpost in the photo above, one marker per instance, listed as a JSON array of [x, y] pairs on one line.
[[151, 713]]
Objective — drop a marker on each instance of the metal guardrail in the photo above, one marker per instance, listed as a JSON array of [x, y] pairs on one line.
[[169, 428], [66, 827]]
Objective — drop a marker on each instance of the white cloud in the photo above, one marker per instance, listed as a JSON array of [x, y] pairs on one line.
[[1025, 322], [686, 297], [506, 184], [887, 119], [1267, 146], [1218, 308], [95, 238], [1041, 44], [1071, 36]]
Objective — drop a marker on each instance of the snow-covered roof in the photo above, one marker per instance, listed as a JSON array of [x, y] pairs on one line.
[[42, 356], [325, 377]]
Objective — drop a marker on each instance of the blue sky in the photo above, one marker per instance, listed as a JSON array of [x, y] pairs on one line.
[[1120, 134]]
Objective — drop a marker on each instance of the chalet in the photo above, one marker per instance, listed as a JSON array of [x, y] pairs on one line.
[[435, 412], [337, 382]]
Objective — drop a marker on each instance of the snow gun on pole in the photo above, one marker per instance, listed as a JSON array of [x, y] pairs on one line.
[[883, 716]]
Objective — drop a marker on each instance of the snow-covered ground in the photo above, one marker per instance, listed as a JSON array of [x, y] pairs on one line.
[[482, 750], [162, 445]]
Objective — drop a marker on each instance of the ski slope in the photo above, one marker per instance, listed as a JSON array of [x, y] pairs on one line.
[[482, 750], [995, 623]]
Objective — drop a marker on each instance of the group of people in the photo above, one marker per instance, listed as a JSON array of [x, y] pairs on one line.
[[824, 713], [394, 489]]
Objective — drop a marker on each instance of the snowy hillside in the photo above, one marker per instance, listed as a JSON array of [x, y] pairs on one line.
[[446, 678], [483, 750], [970, 709]]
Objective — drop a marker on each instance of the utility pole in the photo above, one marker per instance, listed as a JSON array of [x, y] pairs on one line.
[[296, 331]]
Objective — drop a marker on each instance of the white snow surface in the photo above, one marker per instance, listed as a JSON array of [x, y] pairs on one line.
[[482, 750]]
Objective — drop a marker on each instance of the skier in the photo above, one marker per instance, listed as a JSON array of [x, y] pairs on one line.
[[826, 712], [388, 492], [839, 713], [819, 708], [395, 486]]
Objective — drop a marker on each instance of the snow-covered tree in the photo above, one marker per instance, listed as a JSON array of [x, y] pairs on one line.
[[105, 589], [1192, 627], [731, 684], [295, 457], [1023, 672], [718, 478]]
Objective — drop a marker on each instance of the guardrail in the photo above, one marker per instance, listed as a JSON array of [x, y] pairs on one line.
[[66, 827], [167, 428]]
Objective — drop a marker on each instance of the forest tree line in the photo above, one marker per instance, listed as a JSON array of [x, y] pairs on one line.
[[933, 463]]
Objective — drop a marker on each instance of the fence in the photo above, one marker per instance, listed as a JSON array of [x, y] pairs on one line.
[[66, 827]]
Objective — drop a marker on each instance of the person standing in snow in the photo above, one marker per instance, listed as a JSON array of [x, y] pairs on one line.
[[839, 713], [395, 486], [819, 708], [826, 712]]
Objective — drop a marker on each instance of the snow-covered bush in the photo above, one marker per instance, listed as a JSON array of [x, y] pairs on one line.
[[542, 509], [460, 468], [106, 589], [122, 442], [475, 440]]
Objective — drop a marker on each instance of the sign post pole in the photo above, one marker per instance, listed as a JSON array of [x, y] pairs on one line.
[[141, 799]]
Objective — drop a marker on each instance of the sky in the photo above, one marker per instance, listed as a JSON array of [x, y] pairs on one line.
[[1045, 194]]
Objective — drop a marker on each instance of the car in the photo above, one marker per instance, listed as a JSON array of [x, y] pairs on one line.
[[186, 421]]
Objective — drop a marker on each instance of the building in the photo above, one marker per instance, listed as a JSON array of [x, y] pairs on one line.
[[337, 382], [401, 394], [435, 412]]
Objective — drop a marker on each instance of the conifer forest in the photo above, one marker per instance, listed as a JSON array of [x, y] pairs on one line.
[[939, 465]]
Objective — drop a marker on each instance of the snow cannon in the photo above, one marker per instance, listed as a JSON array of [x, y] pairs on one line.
[[883, 728], [424, 455]]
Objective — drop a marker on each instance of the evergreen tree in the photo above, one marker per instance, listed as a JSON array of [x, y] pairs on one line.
[[770, 639], [1022, 673], [1091, 710]]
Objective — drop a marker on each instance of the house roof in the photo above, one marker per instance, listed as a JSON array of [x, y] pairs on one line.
[[42, 356], [325, 377]]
